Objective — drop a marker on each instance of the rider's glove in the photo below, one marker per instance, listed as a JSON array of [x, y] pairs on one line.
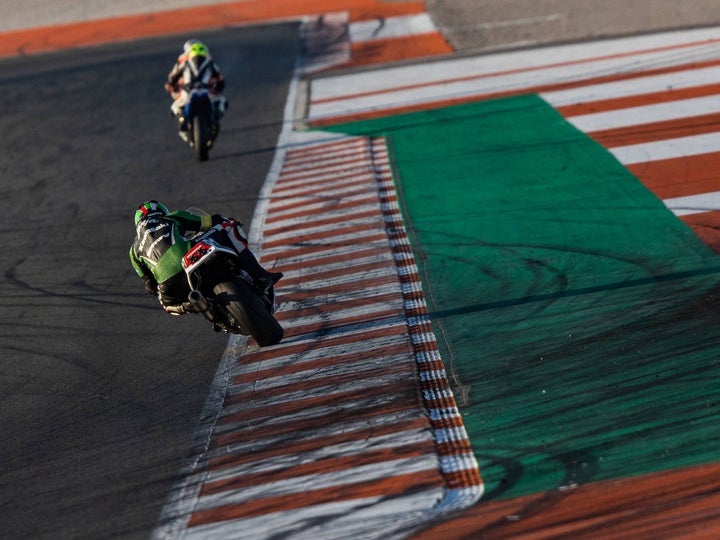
[[150, 285], [217, 219], [180, 309], [175, 310]]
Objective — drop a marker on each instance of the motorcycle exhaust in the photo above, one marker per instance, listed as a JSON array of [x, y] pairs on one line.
[[200, 304]]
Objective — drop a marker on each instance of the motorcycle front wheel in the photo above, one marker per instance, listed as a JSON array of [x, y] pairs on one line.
[[201, 136], [248, 312]]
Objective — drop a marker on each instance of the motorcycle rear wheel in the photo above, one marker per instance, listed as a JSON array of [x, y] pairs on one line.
[[249, 312]]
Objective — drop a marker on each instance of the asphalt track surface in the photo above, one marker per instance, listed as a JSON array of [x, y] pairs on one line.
[[100, 391]]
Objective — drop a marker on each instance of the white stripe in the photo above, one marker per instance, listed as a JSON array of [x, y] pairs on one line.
[[366, 295], [391, 27], [327, 245], [687, 78], [298, 222], [370, 223], [302, 158], [340, 161], [347, 278], [370, 517], [259, 414], [316, 353], [671, 148], [694, 204], [295, 256], [318, 203], [380, 442], [329, 370], [360, 175], [646, 114], [381, 259], [248, 447], [303, 484], [329, 322]]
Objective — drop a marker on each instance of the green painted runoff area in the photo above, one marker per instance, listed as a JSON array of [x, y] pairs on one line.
[[578, 318]]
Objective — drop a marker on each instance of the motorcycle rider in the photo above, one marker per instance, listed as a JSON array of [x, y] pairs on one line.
[[161, 240], [194, 66]]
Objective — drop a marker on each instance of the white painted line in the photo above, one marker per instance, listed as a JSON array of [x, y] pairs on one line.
[[671, 148], [381, 259], [647, 114], [358, 518], [318, 373], [343, 161], [383, 270], [694, 204], [687, 78], [252, 446], [311, 355], [303, 223], [380, 442], [370, 222], [304, 256], [321, 202], [303, 484]]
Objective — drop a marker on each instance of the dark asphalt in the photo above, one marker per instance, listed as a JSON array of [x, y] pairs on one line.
[[100, 391]]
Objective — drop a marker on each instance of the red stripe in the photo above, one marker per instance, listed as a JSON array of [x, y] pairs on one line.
[[335, 360], [333, 259], [251, 413], [342, 413], [323, 275], [657, 131], [308, 207], [345, 218], [338, 324], [322, 235], [320, 342], [362, 176], [321, 466], [298, 446], [614, 104], [679, 177], [387, 488]]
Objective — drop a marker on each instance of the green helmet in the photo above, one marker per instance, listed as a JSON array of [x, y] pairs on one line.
[[148, 208]]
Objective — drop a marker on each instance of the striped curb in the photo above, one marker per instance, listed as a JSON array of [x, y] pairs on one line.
[[348, 427]]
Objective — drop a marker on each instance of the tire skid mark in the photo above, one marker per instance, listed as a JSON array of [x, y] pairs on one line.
[[351, 411]]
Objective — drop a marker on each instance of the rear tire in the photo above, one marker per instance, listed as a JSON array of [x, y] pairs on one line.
[[201, 136], [249, 312]]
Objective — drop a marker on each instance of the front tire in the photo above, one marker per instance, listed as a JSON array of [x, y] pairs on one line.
[[201, 136], [249, 312]]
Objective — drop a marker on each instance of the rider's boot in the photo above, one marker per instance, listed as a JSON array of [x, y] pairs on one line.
[[262, 277]]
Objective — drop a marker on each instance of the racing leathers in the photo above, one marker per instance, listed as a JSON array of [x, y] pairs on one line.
[[188, 73], [156, 254]]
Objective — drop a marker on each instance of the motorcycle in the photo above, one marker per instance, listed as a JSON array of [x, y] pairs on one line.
[[223, 292], [200, 123]]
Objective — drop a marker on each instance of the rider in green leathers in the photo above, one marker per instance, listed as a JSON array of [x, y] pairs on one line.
[[161, 240]]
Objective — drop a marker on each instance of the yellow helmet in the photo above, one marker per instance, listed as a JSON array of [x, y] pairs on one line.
[[198, 49]]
